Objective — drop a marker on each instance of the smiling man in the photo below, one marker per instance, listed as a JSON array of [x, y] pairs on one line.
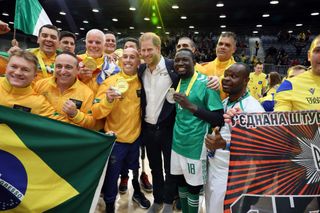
[[158, 113], [15, 87], [48, 40], [234, 83], [198, 110], [118, 101], [188, 43], [111, 43], [95, 66], [66, 93]]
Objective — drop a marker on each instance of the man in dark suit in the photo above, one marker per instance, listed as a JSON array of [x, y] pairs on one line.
[[159, 81]]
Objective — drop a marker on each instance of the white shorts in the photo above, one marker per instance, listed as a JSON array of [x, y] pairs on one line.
[[194, 171]]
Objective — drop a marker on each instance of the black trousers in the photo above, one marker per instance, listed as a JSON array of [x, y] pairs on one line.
[[158, 142]]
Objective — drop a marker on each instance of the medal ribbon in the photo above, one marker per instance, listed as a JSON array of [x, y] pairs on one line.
[[42, 65], [193, 79]]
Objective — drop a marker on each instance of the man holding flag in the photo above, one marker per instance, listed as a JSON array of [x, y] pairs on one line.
[[31, 18]]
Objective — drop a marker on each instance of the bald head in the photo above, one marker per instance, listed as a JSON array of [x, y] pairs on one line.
[[95, 42], [130, 60]]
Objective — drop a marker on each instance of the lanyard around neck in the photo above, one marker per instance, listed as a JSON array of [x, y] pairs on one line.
[[42, 65], [193, 79]]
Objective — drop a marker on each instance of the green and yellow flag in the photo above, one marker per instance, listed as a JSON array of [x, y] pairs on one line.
[[49, 166]]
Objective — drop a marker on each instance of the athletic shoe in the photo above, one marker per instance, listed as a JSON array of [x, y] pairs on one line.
[[141, 200], [144, 182], [123, 186]]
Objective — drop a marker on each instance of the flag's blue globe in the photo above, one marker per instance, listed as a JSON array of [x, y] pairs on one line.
[[13, 181]]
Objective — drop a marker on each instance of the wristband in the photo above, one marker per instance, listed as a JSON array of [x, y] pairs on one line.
[[227, 146]]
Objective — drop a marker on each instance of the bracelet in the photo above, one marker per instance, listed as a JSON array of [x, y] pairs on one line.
[[227, 146]]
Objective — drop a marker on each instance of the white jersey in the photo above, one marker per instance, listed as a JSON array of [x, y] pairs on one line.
[[219, 164]]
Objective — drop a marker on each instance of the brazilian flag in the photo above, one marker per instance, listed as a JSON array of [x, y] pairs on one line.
[[49, 166]]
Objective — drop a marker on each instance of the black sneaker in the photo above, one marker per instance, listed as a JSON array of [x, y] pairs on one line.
[[141, 200], [123, 186], [144, 182]]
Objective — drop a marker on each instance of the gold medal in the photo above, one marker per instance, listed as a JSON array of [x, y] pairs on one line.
[[90, 63], [122, 85]]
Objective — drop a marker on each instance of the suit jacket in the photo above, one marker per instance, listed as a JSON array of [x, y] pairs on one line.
[[167, 114]]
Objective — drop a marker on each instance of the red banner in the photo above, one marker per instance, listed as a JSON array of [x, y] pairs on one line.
[[274, 163]]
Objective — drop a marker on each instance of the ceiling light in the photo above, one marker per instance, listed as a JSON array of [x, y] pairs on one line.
[[5, 14], [255, 32], [81, 28], [62, 13], [58, 21], [95, 10], [118, 33], [223, 32], [132, 8], [196, 32], [85, 21], [191, 27], [222, 16], [11, 22], [76, 33], [115, 19], [259, 25], [314, 14], [131, 28], [219, 4], [183, 17], [158, 27], [290, 31], [265, 15], [167, 33], [105, 29], [299, 25], [274, 2], [175, 6], [59, 29], [147, 19], [223, 26]]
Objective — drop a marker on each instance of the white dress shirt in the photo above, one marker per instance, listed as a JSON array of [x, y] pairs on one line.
[[156, 85]]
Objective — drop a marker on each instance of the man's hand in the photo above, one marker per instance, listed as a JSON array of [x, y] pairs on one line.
[[13, 48], [112, 94], [230, 114], [70, 108], [213, 82], [14, 42], [215, 141], [85, 74], [183, 101]]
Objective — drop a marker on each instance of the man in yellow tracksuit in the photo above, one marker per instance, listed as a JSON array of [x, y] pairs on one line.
[[118, 100], [48, 40], [66, 93], [15, 87], [93, 77], [225, 48]]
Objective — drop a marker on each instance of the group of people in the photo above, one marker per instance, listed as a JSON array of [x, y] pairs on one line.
[[174, 108]]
